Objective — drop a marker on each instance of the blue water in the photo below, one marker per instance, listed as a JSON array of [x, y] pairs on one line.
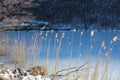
[[73, 42]]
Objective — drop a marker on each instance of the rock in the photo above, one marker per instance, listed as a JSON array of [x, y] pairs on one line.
[[25, 74], [38, 70], [19, 71]]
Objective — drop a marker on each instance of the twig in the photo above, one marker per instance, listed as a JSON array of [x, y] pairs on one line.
[[56, 75], [62, 76], [71, 68]]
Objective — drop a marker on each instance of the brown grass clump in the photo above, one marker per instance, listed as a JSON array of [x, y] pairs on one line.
[[38, 70]]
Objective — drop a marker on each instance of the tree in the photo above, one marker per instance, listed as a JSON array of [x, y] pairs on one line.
[[11, 11], [14, 12], [103, 13]]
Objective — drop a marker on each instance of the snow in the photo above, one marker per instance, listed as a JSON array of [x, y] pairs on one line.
[[34, 22], [8, 74], [31, 77]]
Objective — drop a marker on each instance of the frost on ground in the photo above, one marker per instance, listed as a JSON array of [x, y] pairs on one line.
[[19, 74]]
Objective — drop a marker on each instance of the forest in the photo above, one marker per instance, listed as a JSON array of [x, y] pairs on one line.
[[78, 14]]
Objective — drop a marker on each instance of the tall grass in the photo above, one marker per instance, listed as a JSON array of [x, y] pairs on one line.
[[27, 53]]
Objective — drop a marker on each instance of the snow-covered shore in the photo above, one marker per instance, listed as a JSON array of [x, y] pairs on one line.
[[19, 74], [110, 72]]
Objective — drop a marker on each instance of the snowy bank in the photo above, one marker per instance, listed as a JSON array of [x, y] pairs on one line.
[[20, 74]]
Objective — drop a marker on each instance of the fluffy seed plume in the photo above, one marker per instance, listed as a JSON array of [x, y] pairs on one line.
[[92, 33], [63, 35], [81, 33], [103, 44], [56, 36], [106, 54], [114, 39]]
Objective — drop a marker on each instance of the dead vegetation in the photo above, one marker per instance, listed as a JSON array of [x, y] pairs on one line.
[[27, 56]]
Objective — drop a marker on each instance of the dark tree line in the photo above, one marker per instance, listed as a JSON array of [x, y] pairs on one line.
[[104, 13]]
